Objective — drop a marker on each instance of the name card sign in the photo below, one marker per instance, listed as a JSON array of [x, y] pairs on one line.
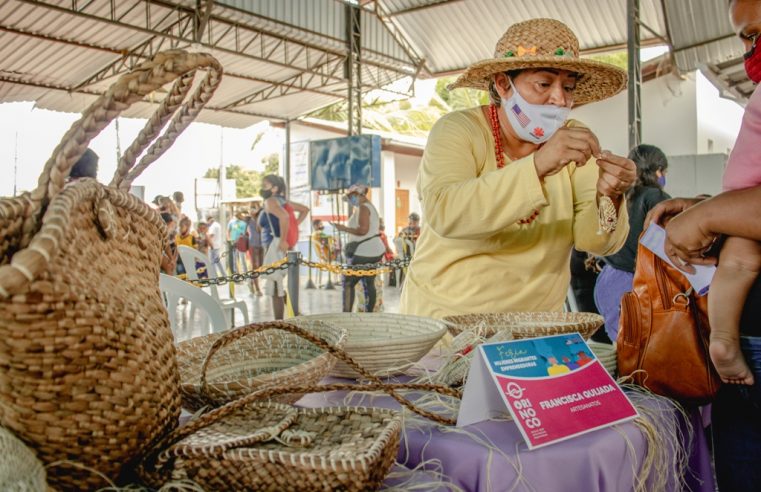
[[554, 388]]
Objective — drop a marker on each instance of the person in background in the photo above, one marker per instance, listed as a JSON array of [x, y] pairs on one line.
[[508, 189], [255, 248], [692, 228], [412, 231], [363, 228], [389, 254], [275, 222], [238, 239], [179, 198], [169, 255], [184, 237], [202, 241], [86, 166], [617, 275], [214, 237], [166, 205], [584, 271]]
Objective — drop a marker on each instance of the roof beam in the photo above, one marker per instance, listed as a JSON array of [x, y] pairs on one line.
[[226, 36], [417, 8], [58, 87], [129, 59]]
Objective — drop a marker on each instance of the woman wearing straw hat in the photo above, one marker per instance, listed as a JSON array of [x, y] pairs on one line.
[[508, 189]]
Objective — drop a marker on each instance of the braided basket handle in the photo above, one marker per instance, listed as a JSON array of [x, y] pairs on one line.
[[244, 331], [128, 89], [376, 385]]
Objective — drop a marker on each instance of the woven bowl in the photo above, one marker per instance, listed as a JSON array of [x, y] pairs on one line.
[[526, 324], [383, 343], [254, 362]]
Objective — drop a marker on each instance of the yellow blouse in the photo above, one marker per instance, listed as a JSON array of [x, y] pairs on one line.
[[472, 255]]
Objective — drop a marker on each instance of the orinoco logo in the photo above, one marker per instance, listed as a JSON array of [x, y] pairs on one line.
[[513, 390]]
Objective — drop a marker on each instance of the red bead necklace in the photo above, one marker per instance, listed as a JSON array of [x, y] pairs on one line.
[[499, 152]]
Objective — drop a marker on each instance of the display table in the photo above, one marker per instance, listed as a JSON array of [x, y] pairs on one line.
[[494, 456]]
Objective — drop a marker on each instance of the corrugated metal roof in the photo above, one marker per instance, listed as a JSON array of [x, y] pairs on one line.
[[451, 35], [284, 58]]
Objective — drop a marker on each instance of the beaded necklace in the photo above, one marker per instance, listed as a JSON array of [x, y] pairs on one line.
[[499, 152]]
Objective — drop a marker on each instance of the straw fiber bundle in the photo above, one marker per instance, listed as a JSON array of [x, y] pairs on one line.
[[526, 324], [251, 358], [250, 444], [87, 362], [20, 470], [383, 343]]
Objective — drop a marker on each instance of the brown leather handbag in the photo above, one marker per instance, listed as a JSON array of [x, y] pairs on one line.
[[663, 333]]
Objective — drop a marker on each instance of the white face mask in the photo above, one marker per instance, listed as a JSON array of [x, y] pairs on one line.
[[534, 123]]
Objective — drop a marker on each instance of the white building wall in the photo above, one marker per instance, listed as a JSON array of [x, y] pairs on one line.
[[668, 117], [718, 119]]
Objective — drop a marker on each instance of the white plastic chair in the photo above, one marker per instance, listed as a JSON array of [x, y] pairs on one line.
[[189, 257], [174, 289]]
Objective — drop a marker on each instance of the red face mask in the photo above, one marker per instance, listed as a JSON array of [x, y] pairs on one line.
[[753, 62]]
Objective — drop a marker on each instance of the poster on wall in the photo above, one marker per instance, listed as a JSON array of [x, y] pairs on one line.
[[338, 163], [298, 186], [553, 387]]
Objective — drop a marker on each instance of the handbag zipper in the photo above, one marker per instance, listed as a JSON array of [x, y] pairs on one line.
[[662, 284]]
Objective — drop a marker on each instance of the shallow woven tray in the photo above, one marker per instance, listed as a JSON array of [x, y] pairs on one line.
[[383, 343], [260, 447], [255, 361], [526, 324]]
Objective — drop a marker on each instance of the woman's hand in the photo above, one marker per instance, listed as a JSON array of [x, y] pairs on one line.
[[617, 174], [576, 144], [688, 240], [283, 246], [665, 210]]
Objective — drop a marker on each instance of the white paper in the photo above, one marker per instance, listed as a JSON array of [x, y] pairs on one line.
[[481, 399], [654, 239]]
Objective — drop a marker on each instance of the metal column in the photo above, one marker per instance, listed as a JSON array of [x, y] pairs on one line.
[[353, 68], [287, 156], [635, 72]]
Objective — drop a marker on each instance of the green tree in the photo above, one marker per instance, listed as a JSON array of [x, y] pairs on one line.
[[247, 181]]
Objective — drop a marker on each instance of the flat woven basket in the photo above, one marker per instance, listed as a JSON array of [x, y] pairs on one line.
[[268, 446], [87, 360], [255, 444], [383, 343], [251, 358], [526, 324]]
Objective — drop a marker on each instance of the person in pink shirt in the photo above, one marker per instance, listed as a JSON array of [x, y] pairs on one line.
[[740, 258]]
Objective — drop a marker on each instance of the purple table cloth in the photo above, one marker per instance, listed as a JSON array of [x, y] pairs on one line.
[[600, 461]]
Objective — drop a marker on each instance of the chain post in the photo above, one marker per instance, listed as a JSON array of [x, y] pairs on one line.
[[294, 263]]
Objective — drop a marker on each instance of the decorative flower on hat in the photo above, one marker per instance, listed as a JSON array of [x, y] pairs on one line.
[[526, 51]]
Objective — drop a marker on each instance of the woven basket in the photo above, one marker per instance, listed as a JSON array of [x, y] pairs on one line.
[[273, 447], [526, 324], [252, 445], [383, 343], [251, 358], [87, 361]]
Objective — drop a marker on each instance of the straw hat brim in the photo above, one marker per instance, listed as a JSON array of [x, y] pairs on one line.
[[599, 80]]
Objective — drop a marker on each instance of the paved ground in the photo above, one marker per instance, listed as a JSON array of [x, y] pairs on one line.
[[311, 301]]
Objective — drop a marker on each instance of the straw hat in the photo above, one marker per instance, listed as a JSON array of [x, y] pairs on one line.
[[545, 43]]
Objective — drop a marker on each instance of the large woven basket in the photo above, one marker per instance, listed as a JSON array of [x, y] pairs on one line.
[[383, 343], [87, 361], [526, 324], [251, 358], [273, 447]]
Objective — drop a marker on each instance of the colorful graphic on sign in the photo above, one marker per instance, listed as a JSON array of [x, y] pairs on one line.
[[554, 387]]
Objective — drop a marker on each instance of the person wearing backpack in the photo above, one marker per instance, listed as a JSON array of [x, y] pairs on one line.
[[279, 223]]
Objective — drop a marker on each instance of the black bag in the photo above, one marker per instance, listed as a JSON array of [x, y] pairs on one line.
[[351, 247]]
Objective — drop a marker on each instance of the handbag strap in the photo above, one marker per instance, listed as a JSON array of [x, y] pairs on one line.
[[366, 239], [127, 90]]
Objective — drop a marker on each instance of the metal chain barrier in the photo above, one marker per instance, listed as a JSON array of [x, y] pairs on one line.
[[240, 277], [365, 270]]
